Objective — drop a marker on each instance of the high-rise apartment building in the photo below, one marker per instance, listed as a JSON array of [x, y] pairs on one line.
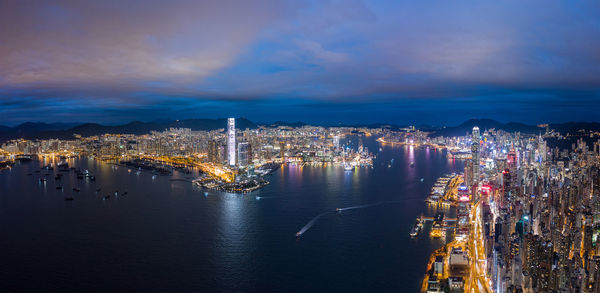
[[231, 141]]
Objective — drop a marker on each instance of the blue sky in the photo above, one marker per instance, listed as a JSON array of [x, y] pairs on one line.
[[351, 61]]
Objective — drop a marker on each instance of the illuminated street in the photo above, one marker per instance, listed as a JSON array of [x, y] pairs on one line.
[[300, 146]]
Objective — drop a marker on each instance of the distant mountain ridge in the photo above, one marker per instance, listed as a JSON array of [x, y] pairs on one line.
[[40, 130], [483, 124]]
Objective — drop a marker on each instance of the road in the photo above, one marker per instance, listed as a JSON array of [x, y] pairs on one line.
[[478, 281]]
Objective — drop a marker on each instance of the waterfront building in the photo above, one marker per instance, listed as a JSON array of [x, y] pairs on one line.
[[231, 141], [243, 149]]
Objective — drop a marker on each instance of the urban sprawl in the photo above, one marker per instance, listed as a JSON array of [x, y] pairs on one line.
[[527, 206]]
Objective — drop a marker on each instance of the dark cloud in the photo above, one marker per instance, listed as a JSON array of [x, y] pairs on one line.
[[107, 60]]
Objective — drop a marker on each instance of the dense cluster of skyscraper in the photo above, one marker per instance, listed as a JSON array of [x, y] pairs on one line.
[[531, 201], [540, 210], [240, 149]]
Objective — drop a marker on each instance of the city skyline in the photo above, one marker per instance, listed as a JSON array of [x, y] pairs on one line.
[[318, 62], [492, 220], [300, 146]]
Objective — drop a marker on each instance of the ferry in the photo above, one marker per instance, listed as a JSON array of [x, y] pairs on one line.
[[76, 189], [417, 227], [438, 224]]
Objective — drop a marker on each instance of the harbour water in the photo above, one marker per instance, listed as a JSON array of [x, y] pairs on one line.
[[167, 235]]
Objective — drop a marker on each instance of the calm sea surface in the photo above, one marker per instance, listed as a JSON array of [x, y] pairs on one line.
[[167, 235]]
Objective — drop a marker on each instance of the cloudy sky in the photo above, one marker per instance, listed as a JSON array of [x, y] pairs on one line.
[[351, 61]]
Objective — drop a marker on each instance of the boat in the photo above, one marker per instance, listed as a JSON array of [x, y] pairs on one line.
[[412, 164], [422, 179], [348, 167], [98, 189], [298, 234], [42, 179], [338, 210], [69, 198], [59, 187], [124, 193], [106, 197], [153, 176], [414, 232], [93, 178], [76, 189], [438, 226]]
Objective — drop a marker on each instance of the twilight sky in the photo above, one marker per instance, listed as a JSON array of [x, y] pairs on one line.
[[350, 61]]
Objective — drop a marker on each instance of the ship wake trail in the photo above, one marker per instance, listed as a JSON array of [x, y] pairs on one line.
[[264, 197], [311, 223], [339, 210], [361, 206]]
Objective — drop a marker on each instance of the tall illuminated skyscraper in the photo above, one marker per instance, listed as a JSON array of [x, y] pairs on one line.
[[243, 148], [231, 141], [475, 156]]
